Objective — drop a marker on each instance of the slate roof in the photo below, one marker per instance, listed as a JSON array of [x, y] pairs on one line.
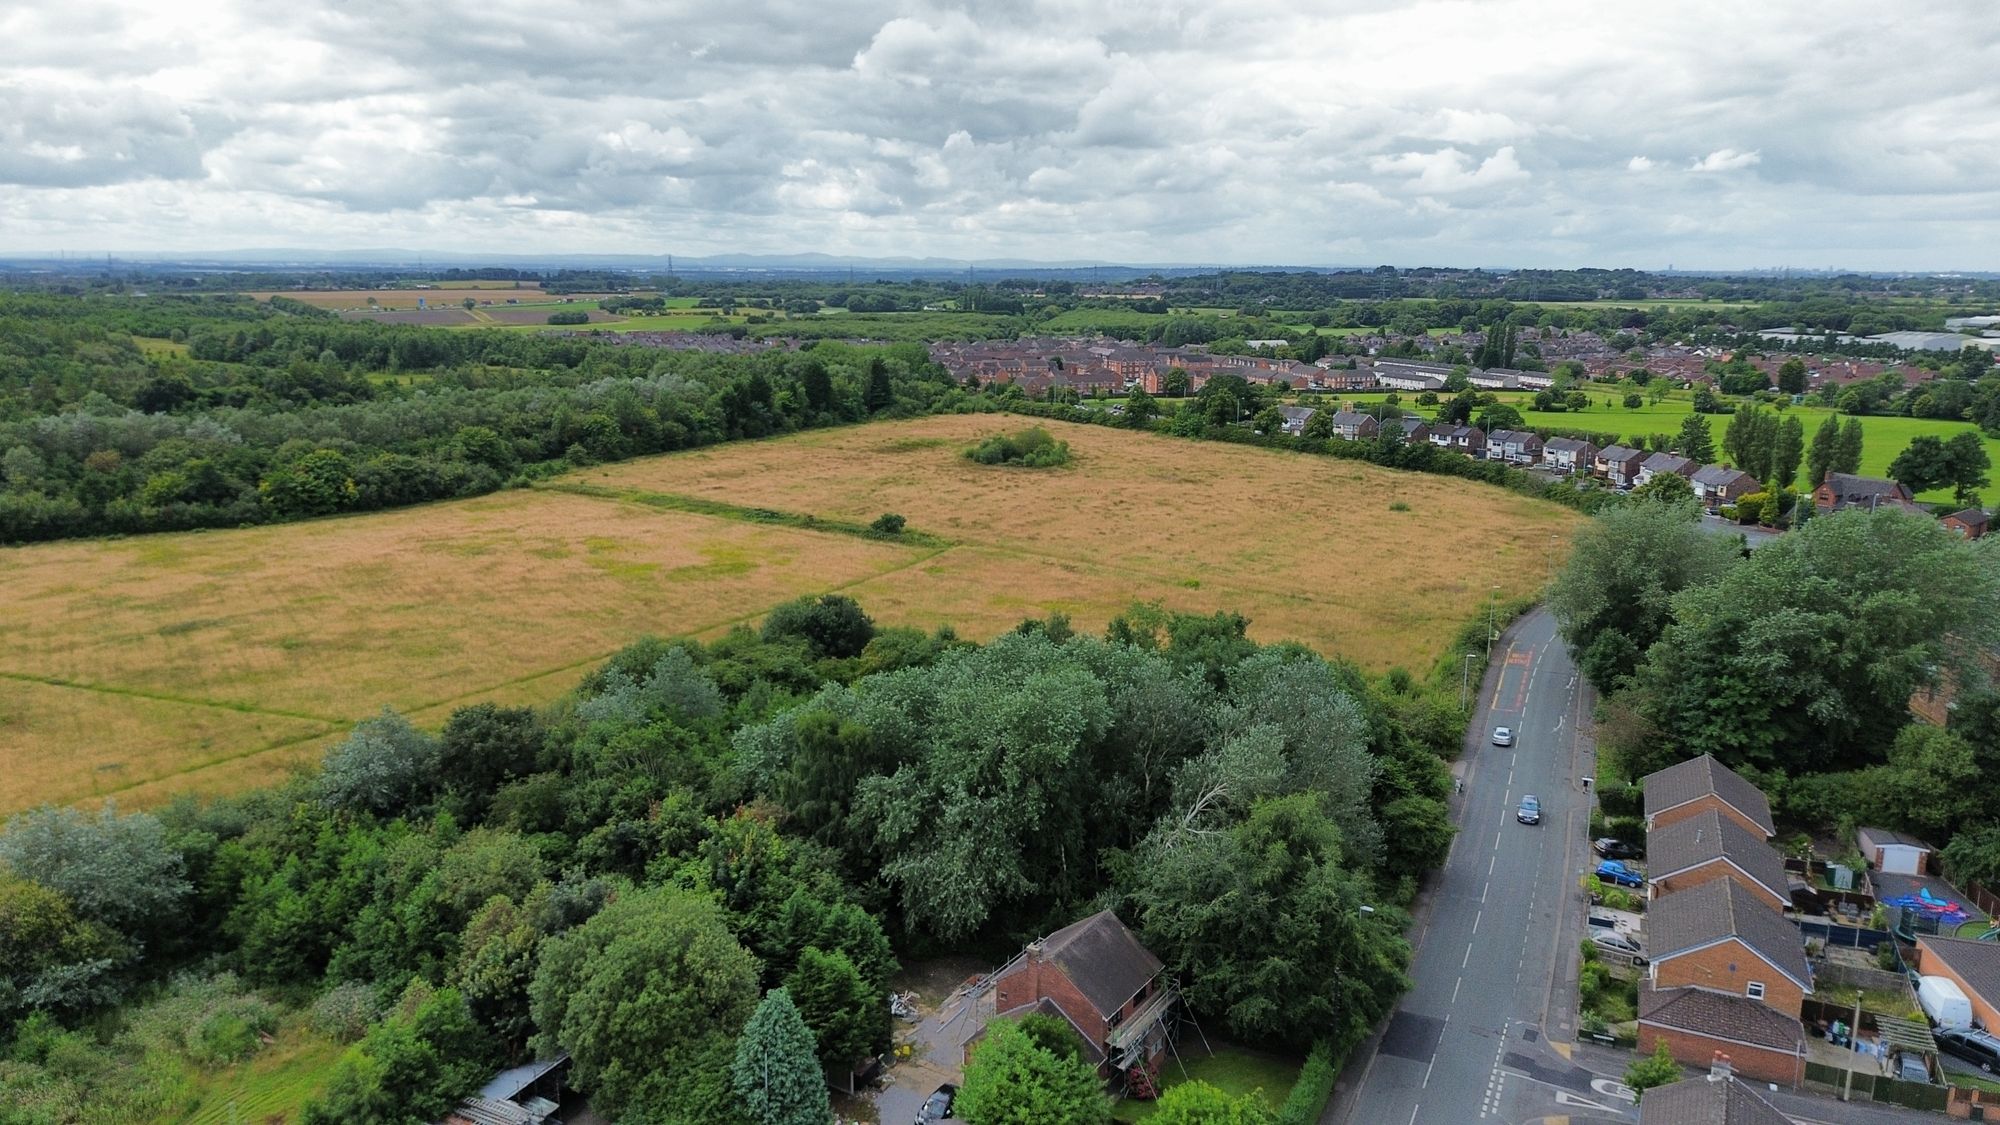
[[1721, 476], [1102, 958], [1975, 518], [1567, 445], [1619, 453], [1721, 1015], [1881, 836], [1705, 1101], [1412, 424], [1299, 414], [1850, 491], [1353, 418], [1698, 777], [1515, 437], [1977, 963], [1665, 463], [1717, 910], [1709, 836]]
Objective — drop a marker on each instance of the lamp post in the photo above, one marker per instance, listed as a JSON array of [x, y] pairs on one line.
[[1492, 616], [1465, 680]]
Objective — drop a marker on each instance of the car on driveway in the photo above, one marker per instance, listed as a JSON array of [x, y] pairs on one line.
[[1503, 736], [937, 1107], [1530, 811], [1611, 941], [1617, 874], [1980, 1048], [1612, 848]]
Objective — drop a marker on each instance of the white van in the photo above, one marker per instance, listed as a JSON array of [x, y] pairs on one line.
[[1944, 1002]]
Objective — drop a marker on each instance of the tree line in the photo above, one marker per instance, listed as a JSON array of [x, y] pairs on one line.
[[697, 873], [1797, 662]]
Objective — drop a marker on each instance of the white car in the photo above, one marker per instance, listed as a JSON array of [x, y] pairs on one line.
[[1503, 736], [1613, 942]]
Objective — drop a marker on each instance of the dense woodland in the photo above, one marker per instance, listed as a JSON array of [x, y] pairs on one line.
[[623, 874], [273, 415], [1796, 663]]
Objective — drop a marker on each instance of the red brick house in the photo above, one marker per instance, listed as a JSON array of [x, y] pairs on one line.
[[1697, 1024], [1841, 491], [1972, 965], [1709, 845], [1718, 937], [1971, 523], [1096, 976], [1685, 789]]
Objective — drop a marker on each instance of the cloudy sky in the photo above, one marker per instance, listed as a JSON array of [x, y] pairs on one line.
[[1494, 132]]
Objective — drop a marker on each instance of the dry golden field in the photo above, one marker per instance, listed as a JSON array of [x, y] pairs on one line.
[[339, 299], [226, 654], [1309, 548], [143, 667]]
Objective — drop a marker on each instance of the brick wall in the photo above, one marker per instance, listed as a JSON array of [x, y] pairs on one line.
[[1709, 872], [1728, 967], [1703, 804], [1035, 980], [1753, 1063]]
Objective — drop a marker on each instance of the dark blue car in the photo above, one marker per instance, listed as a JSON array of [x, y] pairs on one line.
[[1617, 874]]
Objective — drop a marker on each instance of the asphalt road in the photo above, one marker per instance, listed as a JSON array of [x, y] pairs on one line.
[[1495, 964]]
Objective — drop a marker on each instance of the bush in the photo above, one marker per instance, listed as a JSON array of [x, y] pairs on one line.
[[1032, 448], [1309, 1095], [888, 523], [568, 316], [345, 1011], [832, 625]]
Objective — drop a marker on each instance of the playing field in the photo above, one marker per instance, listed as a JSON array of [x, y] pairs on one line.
[[213, 661]]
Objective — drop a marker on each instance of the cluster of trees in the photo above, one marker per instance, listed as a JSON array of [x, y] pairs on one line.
[[272, 418], [1796, 662], [1033, 448], [694, 874]]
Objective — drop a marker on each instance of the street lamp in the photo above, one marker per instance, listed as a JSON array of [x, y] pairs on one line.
[[1465, 680], [1492, 616]]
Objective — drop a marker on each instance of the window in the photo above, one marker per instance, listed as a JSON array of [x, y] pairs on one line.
[[1754, 990]]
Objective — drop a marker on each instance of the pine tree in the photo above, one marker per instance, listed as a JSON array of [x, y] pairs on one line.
[[1819, 461], [1847, 451], [777, 1074], [1787, 450], [1694, 441]]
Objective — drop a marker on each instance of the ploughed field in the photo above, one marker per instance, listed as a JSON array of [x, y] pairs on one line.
[[213, 661]]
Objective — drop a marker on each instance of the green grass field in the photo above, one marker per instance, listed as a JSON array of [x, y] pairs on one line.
[[1234, 1070], [274, 1086]]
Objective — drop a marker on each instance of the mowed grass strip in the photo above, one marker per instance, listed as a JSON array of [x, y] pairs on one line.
[[336, 618], [1309, 547]]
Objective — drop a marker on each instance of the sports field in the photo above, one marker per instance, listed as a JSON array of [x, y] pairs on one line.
[[138, 668]]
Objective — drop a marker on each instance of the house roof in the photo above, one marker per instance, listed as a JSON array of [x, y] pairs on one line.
[[1567, 445], [1520, 437], [1620, 453], [1977, 963], [1102, 958], [1413, 424], [1351, 418], [1849, 489], [1709, 836], [1296, 413], [1702, 777], [1705, 1101], [1721, 476], [1721, 1015], [1881, 836], [1665, 463], [1717, 911], [1971, 517]]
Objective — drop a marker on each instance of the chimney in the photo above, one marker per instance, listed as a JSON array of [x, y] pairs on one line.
[[1718, 1068]]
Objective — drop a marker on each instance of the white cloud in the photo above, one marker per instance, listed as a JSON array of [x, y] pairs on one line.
[[1726, 160], [1185, 130]]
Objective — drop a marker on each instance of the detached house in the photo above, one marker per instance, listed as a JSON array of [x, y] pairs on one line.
[[1096, 976], [1355, 427], [1687, 789], [1708, 846], [1296, 418], [1569, 455], [1841, 491], [1660, 463], [1970, 523], [1619, 465], [1518, 447], [1716, 485]]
